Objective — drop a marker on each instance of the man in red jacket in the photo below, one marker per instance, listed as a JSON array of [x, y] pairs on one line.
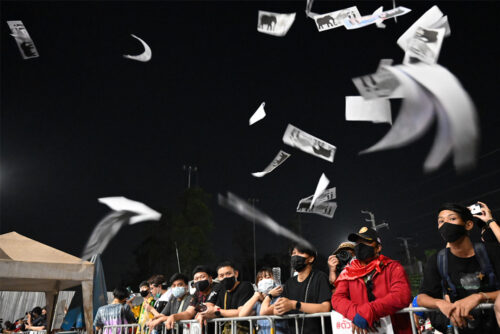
[[372, 287]]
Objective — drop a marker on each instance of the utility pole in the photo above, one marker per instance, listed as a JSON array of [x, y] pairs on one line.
[[372, 220], [190, 169], [407, 250], [253, 201]]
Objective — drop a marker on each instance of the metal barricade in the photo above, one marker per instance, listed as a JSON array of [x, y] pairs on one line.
[[219, 322], [119, 329]]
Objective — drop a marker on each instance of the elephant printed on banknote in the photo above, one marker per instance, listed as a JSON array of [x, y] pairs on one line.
[[325, 20], [267, 20]]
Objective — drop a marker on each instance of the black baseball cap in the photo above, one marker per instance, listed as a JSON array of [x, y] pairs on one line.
[[366, 233]]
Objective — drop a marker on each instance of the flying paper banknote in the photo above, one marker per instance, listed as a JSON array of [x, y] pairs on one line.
[[278, 160], [141, 211], [381, 84], [327, 195], [335, 19], [320, 188], [258, 115], [433, 19], [375, 110], [274, 23], [305, 142], [424, 46], [325, 209], [23, 39], [250, 213], [377, 18]]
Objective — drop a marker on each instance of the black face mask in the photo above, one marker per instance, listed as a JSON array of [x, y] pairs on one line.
[[489, 236], [144, 293], [298, 263], [364, 252], [451, 233], [202, 285], [228, 282]]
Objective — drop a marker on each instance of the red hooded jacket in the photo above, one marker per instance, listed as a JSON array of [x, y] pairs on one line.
[[390, 288]]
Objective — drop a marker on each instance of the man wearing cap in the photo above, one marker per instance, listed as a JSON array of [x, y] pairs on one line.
[[339, 259], [372, 286]]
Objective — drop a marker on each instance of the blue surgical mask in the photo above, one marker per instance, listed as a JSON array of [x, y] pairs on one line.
[[178, 291]]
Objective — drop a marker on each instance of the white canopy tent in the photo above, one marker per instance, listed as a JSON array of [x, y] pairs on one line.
[[28, 265]]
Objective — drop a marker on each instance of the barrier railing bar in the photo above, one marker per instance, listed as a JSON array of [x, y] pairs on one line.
[[272, 318]]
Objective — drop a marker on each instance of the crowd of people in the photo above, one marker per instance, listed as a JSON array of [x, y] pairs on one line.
[[363, 285], [34, 320]]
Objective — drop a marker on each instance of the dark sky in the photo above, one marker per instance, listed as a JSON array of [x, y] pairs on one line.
[[81, 122]]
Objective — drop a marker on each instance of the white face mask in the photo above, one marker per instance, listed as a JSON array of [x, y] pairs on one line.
[[265, 285]]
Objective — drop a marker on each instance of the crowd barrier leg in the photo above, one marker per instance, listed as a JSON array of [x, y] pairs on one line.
[[413, 325], [250, 323], [322, 325]]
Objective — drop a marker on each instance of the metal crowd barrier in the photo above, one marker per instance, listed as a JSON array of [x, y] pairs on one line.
[[219, 322]]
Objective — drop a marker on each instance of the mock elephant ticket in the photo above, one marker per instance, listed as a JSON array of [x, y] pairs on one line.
[[274, 23], [336, 19]]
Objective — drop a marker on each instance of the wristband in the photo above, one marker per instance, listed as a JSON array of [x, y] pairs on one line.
[[485, 297], [490, 221], [298, 305]]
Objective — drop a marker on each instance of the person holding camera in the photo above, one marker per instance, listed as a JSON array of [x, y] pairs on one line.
[[372, 287], [339, 259], [465, 273]]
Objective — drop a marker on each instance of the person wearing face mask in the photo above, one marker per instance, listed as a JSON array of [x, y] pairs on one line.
[[206, 294], [160, 291], [179, 301], [373, 286], [262, 302], [308, 292], [466, 273], [147, 305], [233, 295]]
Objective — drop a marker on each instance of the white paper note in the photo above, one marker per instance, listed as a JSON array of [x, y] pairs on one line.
[[142, 211], [258, 115], [275, 24], [278, 160], [375, 110], [305, 142]]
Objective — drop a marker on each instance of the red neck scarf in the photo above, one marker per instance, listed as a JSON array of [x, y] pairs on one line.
[[356, 270]]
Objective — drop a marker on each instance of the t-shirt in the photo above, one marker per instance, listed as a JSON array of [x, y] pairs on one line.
[[163, 300], [236, 298], [318, 292], [177, 306], [199, 298], [113, 314], [41, 320], [281, 326], [465, 274]]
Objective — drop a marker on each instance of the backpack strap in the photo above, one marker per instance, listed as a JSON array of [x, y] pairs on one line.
[[446, 283], [486, 267]]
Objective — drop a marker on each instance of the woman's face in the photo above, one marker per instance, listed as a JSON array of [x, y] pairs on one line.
[[448, 216], [264, 275]]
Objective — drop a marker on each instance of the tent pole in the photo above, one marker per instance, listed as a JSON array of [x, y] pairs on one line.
[[87, 294]]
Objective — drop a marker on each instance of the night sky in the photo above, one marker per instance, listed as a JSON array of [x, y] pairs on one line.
[[82, 122]]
